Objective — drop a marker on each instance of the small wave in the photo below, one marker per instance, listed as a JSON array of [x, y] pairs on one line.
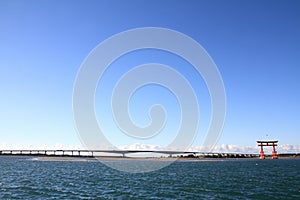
[[33, 159]]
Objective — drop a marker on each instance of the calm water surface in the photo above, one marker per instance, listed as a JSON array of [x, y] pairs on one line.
[[25, 178]]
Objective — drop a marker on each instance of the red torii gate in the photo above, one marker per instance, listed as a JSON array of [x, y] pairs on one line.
[[267, 143]]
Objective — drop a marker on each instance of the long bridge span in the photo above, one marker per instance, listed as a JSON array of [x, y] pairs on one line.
[[121, 153]]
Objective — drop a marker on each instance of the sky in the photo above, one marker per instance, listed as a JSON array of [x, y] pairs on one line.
[[254, 44]]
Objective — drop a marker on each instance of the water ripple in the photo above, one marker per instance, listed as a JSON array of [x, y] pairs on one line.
[[236, 179]]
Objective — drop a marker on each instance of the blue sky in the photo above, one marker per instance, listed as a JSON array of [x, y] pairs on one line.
[[255, 45]]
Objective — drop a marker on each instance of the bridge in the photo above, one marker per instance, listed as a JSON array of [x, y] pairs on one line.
[[122, 153]]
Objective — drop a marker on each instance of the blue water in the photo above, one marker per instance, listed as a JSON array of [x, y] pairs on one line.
[[25, 178]]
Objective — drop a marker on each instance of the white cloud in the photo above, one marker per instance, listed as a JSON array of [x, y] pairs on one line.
[[289, 148], [224, 148], [138, 146]]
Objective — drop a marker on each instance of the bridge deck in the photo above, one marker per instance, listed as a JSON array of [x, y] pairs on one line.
[[93, 153]]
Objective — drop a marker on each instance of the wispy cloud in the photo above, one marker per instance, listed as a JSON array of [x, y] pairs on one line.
[[138, 146]]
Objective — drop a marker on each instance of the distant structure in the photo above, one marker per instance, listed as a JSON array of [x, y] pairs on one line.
[[262, 144]]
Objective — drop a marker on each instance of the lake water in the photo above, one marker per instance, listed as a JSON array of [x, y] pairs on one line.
[[26, 178]]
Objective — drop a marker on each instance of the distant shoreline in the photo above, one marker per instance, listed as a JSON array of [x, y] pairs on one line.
[[83, 158], [134, 154]]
